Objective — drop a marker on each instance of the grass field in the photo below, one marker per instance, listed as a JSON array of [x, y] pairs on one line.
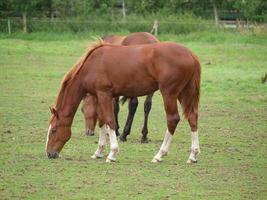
[[232, 126]]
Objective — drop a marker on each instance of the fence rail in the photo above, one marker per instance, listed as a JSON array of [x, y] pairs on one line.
[[74, 26], [46, 25]]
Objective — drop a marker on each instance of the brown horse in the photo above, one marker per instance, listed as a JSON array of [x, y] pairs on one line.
[[167, 66], [89, 102]]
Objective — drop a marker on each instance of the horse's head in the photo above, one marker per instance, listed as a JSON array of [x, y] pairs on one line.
[[58, 134]]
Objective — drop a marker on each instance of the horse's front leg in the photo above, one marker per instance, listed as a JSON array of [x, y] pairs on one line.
[[102, 142], [106, 107]]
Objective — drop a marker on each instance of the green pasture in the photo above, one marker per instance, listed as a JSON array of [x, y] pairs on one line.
[[232, 126]]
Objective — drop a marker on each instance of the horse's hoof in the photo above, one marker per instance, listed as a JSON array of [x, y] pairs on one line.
[[154, 160], [118, 133], [89, 132], [109, 160], [123, 139], [144, 140], [96, 156], [190, 161]]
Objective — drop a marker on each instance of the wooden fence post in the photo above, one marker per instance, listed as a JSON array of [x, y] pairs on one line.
[[155, 28], [9, 27], [24, 20]]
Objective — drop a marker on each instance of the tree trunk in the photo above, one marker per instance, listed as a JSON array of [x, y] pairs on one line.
[[123, 10], [215, 12], [112, 11], [24, 20], [51, 14]]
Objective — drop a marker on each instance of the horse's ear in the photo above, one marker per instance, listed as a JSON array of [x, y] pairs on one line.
[[54, 111]]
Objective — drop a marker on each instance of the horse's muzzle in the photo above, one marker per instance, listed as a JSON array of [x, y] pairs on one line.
[[52, 154]]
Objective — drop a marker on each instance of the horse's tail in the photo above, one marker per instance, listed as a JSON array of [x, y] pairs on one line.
[[189, 97]]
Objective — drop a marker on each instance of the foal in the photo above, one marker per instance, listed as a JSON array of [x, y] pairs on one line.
[[89, 102], [167, 66]]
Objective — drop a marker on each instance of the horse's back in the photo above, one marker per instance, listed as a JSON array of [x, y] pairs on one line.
[[140, 68], [139, 38], [113, 39], [172, 63], [175, 54], [143, 59]]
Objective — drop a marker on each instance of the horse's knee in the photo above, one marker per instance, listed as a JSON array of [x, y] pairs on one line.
[[147, 106], [84, 108], [111, 123]]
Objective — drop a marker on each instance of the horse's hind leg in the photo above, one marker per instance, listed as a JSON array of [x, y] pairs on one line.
[[147, 108], [170, 105], [195, 150], [133, 103]]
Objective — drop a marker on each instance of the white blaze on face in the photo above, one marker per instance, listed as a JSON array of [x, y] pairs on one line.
[[47, 137]]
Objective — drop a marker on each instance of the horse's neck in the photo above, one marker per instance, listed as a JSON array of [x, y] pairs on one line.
[[71, 100]]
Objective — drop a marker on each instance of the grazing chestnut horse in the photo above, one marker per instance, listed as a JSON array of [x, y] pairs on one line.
[[167, 66], [89, 102]]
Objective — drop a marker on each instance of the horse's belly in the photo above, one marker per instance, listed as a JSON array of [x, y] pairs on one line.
[[136, 88]]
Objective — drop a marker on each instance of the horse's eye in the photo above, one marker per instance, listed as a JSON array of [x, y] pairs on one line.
[[53, 130]]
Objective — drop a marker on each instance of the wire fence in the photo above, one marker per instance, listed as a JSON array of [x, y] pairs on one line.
[[46, 25]]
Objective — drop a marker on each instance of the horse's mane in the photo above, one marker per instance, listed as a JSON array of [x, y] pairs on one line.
[[74, 71]]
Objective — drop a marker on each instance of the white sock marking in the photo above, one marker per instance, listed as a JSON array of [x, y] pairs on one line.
[[114, 147], [194, 147], [102, 142], [164, 149]]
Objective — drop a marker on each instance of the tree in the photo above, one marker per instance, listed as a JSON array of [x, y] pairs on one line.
[[24, 7], [248, 7], [123, 10]]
